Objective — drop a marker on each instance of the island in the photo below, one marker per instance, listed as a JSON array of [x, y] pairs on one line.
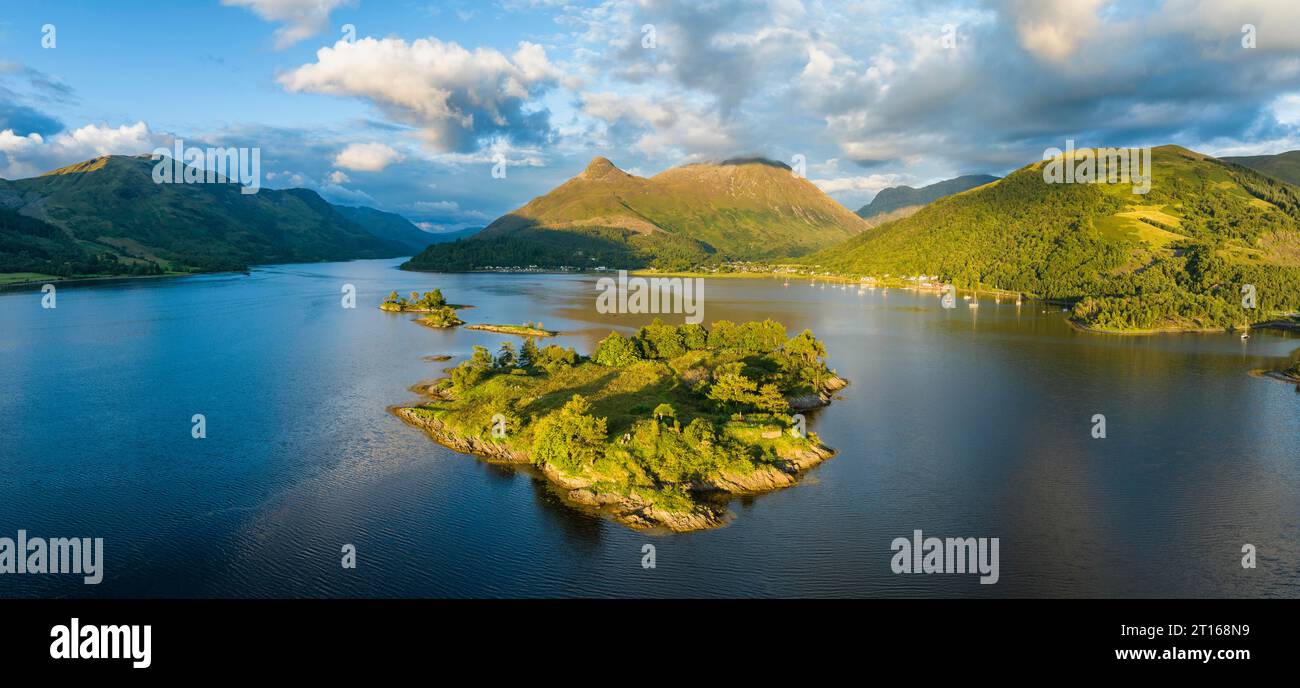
[[440, 314], [429, 302], [657, 430], [524, 330]]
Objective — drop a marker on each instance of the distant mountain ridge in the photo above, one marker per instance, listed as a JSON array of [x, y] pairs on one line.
[[745, 208], [899, 201], [1283, 166], [108, 216], [389, 226]]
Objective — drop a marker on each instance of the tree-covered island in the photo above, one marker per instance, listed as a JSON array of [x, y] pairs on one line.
[[440, 314], [656, 430]]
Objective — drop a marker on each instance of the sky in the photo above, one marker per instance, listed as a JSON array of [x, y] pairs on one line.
[[408, 106]]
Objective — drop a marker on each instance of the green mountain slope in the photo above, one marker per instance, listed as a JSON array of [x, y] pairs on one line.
[[889, 202], [1175, 258], [109, 213], [685, 216], [1284, 166]]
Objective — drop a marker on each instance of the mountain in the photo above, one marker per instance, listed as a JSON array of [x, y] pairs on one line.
[[737, 209], [389, 226], [446, 237], [900, 201], [108, 216], [1284, 166], [1175, 258]]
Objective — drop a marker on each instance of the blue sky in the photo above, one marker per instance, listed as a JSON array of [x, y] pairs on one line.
[[409, 115]]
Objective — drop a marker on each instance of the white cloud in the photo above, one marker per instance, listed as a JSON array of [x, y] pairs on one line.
[[447, 210], [337, 177], [300, 18], [1052, 30], [870, 183], [667, 124], [11, 143], [367, 157], [1275, 21], [436, 206], [26, 156], [339, 194], [456, 97]]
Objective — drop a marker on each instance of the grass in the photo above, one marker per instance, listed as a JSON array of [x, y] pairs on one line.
[[519, 330], [20, 277]]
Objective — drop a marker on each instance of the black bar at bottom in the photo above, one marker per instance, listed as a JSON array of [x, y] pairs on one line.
[[237, 637]]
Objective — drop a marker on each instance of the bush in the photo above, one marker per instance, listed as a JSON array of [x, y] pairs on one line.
[[616, 351]]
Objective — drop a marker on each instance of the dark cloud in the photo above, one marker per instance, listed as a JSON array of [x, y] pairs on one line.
[[24, 120]]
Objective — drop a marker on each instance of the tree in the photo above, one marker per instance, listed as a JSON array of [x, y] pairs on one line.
[[506, 356], [554, 357], [661, 341], [694, 337], [616, 351], [664, 411], [733, 391], [471, 371], [570, 438], [770, 399], [529, 355], [805, 347]]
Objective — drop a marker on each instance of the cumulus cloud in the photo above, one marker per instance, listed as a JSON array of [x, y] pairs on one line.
[[663, 124], [1053, 30], [870, 183], [454, 97], [367, 157], [300, 19], [1212, 21], [26, 156]]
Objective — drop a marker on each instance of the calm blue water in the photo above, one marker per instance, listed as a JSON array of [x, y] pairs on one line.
[[960, 423]]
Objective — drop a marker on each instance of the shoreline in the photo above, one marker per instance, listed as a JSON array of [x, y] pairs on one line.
[[1279, 325], [516, 330], [895, 283], [630, 510], [106, 279], [1089, 329], [636, 507], [1279, 375]]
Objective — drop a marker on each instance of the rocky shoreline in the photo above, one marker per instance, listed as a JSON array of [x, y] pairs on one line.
[[1279, 375], [630, 509]]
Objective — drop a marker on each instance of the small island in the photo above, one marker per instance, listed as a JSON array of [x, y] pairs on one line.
[[657, 430], [429, 302], [524, 330], [441, 315]]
